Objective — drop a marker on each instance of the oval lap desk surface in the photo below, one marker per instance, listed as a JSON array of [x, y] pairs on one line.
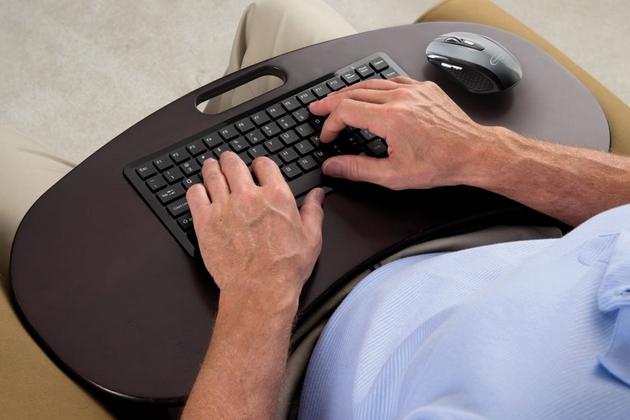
[[117, 303]]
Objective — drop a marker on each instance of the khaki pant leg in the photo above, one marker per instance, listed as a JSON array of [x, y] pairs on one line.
[[269, 28], [27, 170], [31, 386], [487, 13]]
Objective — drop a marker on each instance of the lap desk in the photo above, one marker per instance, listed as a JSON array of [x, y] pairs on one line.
[[116, 301]]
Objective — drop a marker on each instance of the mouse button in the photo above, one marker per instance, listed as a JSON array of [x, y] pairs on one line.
[[470, 44], [452, 40]]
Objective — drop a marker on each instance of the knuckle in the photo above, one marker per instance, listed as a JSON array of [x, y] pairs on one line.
[[353, 171], [344, 103], [430, 85], [403, 93], [248, 196], [211, 169], [277, 190]]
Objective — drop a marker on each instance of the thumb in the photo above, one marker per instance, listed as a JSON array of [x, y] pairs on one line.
[[312, 213], [357, 168]]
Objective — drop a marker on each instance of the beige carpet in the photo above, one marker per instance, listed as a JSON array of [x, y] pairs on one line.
[[77, 73]]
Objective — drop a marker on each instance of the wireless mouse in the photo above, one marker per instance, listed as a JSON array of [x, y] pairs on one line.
[[478, 63]]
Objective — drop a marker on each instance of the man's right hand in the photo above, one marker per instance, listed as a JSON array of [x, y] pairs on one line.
[[431, 141]]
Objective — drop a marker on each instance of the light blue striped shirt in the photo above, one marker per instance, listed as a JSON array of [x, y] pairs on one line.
[[523, 330]]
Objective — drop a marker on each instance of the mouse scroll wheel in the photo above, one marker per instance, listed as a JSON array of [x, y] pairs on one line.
[[452, 40]]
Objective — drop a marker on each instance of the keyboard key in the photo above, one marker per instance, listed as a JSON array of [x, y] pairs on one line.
[[190, 168], [212, 140], [377, 147], [274, 144], [218, 150], [170, 194], [156, 183], [317, 122], [260, 118], [307, 163], [315, 140], [378, 64], [203, 157], [257, 151], [306, 97], [185, 222], [389, 74], [275, 111], [289, 137], [178, 208], [163, 163], [291, 171], [304, 147], [333, 149], [286, 122], [350, 77], [364, 71], [288, 155], [245, 158], [319, 156], [196, 148], [355, 139], [277, 160], [301, 115], [366, 134], [306, 182], [239, 144], [271, 129], [228, 132], [255, 137], [173, 175], [180, 155], [145, 170], [291, 104], [321, 90], [189, 182], [244, 125], [305, 129], [335, 84]]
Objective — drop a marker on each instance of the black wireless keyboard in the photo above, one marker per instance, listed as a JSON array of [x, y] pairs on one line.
[[282, 129]]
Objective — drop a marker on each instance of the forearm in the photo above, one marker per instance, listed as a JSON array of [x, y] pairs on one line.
[[567, 183], [243, 370]]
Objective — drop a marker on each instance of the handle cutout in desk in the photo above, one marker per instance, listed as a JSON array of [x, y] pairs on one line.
[[240, 94]]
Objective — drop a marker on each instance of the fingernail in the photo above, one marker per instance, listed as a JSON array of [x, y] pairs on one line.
[[319, 195], [332, 168]]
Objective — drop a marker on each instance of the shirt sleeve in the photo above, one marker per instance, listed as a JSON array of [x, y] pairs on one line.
[[614, 297]]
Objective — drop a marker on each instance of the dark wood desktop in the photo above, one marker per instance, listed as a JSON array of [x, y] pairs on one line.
[[115, 301]]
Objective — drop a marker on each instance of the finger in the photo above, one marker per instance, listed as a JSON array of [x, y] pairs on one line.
[[214, 180], [354, 114], [359, 168], [198, 201], [312, 213], [236, 173], [404, 80], [378, 84], [267, 172], [326, 105]]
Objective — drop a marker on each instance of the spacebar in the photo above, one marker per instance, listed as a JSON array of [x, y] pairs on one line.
[[306, 182]]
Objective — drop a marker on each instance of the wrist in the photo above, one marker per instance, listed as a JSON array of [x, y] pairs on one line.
[[489, 159], [270, 300]]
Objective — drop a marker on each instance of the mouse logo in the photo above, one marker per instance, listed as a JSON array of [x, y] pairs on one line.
[[494, 60]]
